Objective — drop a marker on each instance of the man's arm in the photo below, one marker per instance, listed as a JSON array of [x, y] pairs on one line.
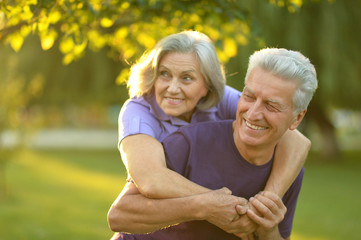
[[290, 156], [140, 153], [132, 212]]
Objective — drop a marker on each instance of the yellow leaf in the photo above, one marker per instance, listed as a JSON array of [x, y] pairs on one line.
[[16, 41], [66, 45], [281, 3], [47, 41], [25, 30], [68, 58], [125, 5], [230, 47], [121, 33], [241, 39], [54, 17], [298, 3], [32, 2], [106, 22], [43, 25], [79, 48], [146, 40], [96, 40], [123, 76]]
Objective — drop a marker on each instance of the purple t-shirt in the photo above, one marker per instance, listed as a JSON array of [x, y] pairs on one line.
[[205, 153], [143, 115]]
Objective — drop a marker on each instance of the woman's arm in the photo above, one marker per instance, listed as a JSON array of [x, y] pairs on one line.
[[144, 159], [132, 212], [290, 156]]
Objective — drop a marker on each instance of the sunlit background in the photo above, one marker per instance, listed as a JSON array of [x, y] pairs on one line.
[[62, 72]]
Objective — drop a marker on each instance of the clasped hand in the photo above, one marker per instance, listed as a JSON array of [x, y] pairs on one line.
[[236, 215]]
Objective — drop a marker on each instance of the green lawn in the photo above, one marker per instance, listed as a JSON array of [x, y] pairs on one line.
[[66, 195], [60, 195]]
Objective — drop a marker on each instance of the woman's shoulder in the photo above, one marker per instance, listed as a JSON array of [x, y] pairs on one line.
[[136, 104], [136, 107], [230, 91]]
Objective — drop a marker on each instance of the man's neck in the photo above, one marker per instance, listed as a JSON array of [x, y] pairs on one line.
[[257, 155]]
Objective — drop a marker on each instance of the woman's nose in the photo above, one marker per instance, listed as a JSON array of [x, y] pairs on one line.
[[174, 86]]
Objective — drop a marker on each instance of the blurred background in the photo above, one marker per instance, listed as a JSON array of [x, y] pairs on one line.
[[62, 83]]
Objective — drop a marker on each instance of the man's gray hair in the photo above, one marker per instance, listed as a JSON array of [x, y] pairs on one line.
[[289, 65], [144, 72]]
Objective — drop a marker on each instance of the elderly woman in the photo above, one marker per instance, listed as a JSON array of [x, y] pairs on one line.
[[177, 83]]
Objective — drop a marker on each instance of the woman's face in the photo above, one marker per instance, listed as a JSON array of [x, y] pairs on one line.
[[179, 84]]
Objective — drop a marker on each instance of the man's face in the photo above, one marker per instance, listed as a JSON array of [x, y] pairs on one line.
[[265, 109]]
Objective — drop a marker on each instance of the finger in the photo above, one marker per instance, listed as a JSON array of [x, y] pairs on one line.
[[268, 203], [241, 209], [276, 200], [261, 208], [254, 217], [242, 201]]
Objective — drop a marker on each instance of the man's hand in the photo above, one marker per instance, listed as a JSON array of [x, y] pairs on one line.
[[271, 212], [219, 206]]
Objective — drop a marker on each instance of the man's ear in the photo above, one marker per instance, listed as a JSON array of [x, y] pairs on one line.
[[297, 120]]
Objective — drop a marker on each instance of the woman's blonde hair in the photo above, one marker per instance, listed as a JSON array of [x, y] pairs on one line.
[[144, 72]]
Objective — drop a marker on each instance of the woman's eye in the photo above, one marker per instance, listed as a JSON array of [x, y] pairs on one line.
[[187, 78], [164, 74]]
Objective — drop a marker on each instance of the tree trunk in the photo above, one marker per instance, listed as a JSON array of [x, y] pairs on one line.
[[3, 184], [330, 149]]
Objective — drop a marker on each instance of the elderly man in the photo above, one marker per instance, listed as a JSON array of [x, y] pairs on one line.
[[237, 155]]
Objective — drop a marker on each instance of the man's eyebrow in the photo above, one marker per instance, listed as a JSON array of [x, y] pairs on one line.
[[274, 101], [248, 90]]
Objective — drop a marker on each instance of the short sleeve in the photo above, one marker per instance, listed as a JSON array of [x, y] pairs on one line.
[[290, 201], [176, 149], [136, 118], [228, 105]]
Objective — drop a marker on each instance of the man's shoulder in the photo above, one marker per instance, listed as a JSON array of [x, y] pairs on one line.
[[206, 127]]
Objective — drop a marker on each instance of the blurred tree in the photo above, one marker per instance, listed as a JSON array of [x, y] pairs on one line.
[[123, 29], [327, 32], [15, 95]]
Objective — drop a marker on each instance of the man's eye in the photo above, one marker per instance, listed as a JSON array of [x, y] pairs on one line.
[[247, 97], [272, 108]]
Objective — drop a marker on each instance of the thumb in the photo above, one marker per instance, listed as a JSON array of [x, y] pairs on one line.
[[241, 209]]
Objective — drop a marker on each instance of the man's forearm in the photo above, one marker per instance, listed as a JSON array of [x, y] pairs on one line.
[[290, 156]]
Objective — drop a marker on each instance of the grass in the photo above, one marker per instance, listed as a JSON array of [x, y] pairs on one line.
[[66, 195], [60, 195], [329, 203]]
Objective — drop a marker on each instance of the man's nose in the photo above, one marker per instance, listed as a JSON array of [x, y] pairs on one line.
[[255, 111], [174, 86]]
